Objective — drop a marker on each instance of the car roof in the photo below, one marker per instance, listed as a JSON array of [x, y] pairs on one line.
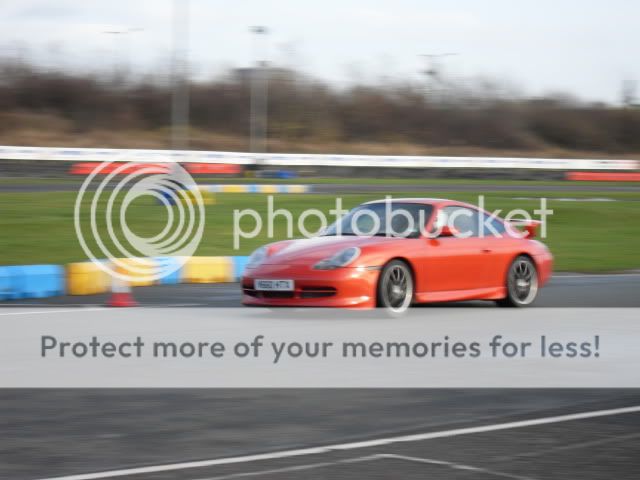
[[423, 201]]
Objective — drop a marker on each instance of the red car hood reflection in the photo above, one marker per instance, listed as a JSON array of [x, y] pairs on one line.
[[312, 250]]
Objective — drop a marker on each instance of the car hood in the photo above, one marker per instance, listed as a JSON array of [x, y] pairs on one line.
[[309, 251]]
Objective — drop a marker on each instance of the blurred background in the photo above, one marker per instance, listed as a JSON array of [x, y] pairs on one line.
[[408, 77], [437, 79], [497, 78]]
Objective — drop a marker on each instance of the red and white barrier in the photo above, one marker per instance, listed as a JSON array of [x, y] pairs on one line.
[[603, 176], [308, 160]]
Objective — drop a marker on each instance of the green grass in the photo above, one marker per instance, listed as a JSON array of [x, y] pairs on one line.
[[584, 236]]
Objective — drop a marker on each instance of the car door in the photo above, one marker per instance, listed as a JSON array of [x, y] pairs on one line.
[[456, 262], [499, 248]]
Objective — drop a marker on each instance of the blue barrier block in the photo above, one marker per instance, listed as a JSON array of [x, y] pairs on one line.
[[36, 281], [282, 174], [16, 282], [6, 284], [239, 263], [44, 280], [166, 264], [252, 188], [285, 174], [167, 198]]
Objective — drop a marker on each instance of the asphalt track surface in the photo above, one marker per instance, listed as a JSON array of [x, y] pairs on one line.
[[427, 186], [324, 434], [564, 290]]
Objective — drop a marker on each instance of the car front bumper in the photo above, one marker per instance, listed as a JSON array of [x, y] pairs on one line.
[[347, 287]]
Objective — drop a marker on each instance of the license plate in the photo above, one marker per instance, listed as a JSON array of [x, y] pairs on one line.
[[274, 285]]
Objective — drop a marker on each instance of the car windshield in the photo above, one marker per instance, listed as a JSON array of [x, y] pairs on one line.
[[390, 219]]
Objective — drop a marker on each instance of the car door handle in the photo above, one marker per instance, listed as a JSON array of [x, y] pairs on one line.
[[486, 250]]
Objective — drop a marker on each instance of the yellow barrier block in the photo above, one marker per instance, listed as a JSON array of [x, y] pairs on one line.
[[86, 278], [297, 188], [208, 270], [268, 189], [234, 188], [189, 195], [208, 198], [141, 271]]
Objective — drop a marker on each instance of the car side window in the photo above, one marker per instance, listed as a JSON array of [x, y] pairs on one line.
[[464, 220], [497, 225]]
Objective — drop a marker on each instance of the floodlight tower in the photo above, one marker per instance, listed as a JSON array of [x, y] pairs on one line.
[[179, 76], [122, 36], [433, 71], [259, 92]]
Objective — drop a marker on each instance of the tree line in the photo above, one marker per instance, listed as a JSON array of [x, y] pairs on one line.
[[302, 110]]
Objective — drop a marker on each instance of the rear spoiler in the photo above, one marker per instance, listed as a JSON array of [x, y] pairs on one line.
[[529, 228]]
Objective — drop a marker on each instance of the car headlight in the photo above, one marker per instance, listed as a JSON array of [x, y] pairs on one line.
[[257, 257], [340, 259]]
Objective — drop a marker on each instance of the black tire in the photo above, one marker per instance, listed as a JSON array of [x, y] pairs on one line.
[[521, 283], [395, 287]]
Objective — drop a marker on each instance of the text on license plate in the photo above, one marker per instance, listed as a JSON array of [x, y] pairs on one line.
[[277, 285]]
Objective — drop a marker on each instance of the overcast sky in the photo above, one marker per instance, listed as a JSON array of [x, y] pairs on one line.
[[584, 47]]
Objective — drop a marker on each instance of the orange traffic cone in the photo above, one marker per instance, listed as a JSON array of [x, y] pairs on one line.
[[120, 294]]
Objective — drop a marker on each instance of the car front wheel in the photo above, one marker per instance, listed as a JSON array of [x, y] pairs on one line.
[[395, 287], [522, 283]]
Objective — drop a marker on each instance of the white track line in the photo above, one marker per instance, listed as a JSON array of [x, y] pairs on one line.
[[570, 446], [369, 458], [455, 466], [350, 446], [295, 468], [59, 310]]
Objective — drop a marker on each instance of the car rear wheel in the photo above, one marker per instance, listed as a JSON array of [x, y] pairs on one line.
[[395, 287], [522, 283]]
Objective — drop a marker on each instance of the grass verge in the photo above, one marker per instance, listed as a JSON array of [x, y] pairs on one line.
[[584, 236]]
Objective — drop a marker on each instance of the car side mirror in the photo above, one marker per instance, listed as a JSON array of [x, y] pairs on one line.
[[447, 231]]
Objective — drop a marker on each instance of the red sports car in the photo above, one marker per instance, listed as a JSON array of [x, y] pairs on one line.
[[396, 253]]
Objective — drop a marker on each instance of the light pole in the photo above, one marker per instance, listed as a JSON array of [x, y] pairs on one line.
[[259, 91], [123, 35], [179, 77], [433, 71]]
